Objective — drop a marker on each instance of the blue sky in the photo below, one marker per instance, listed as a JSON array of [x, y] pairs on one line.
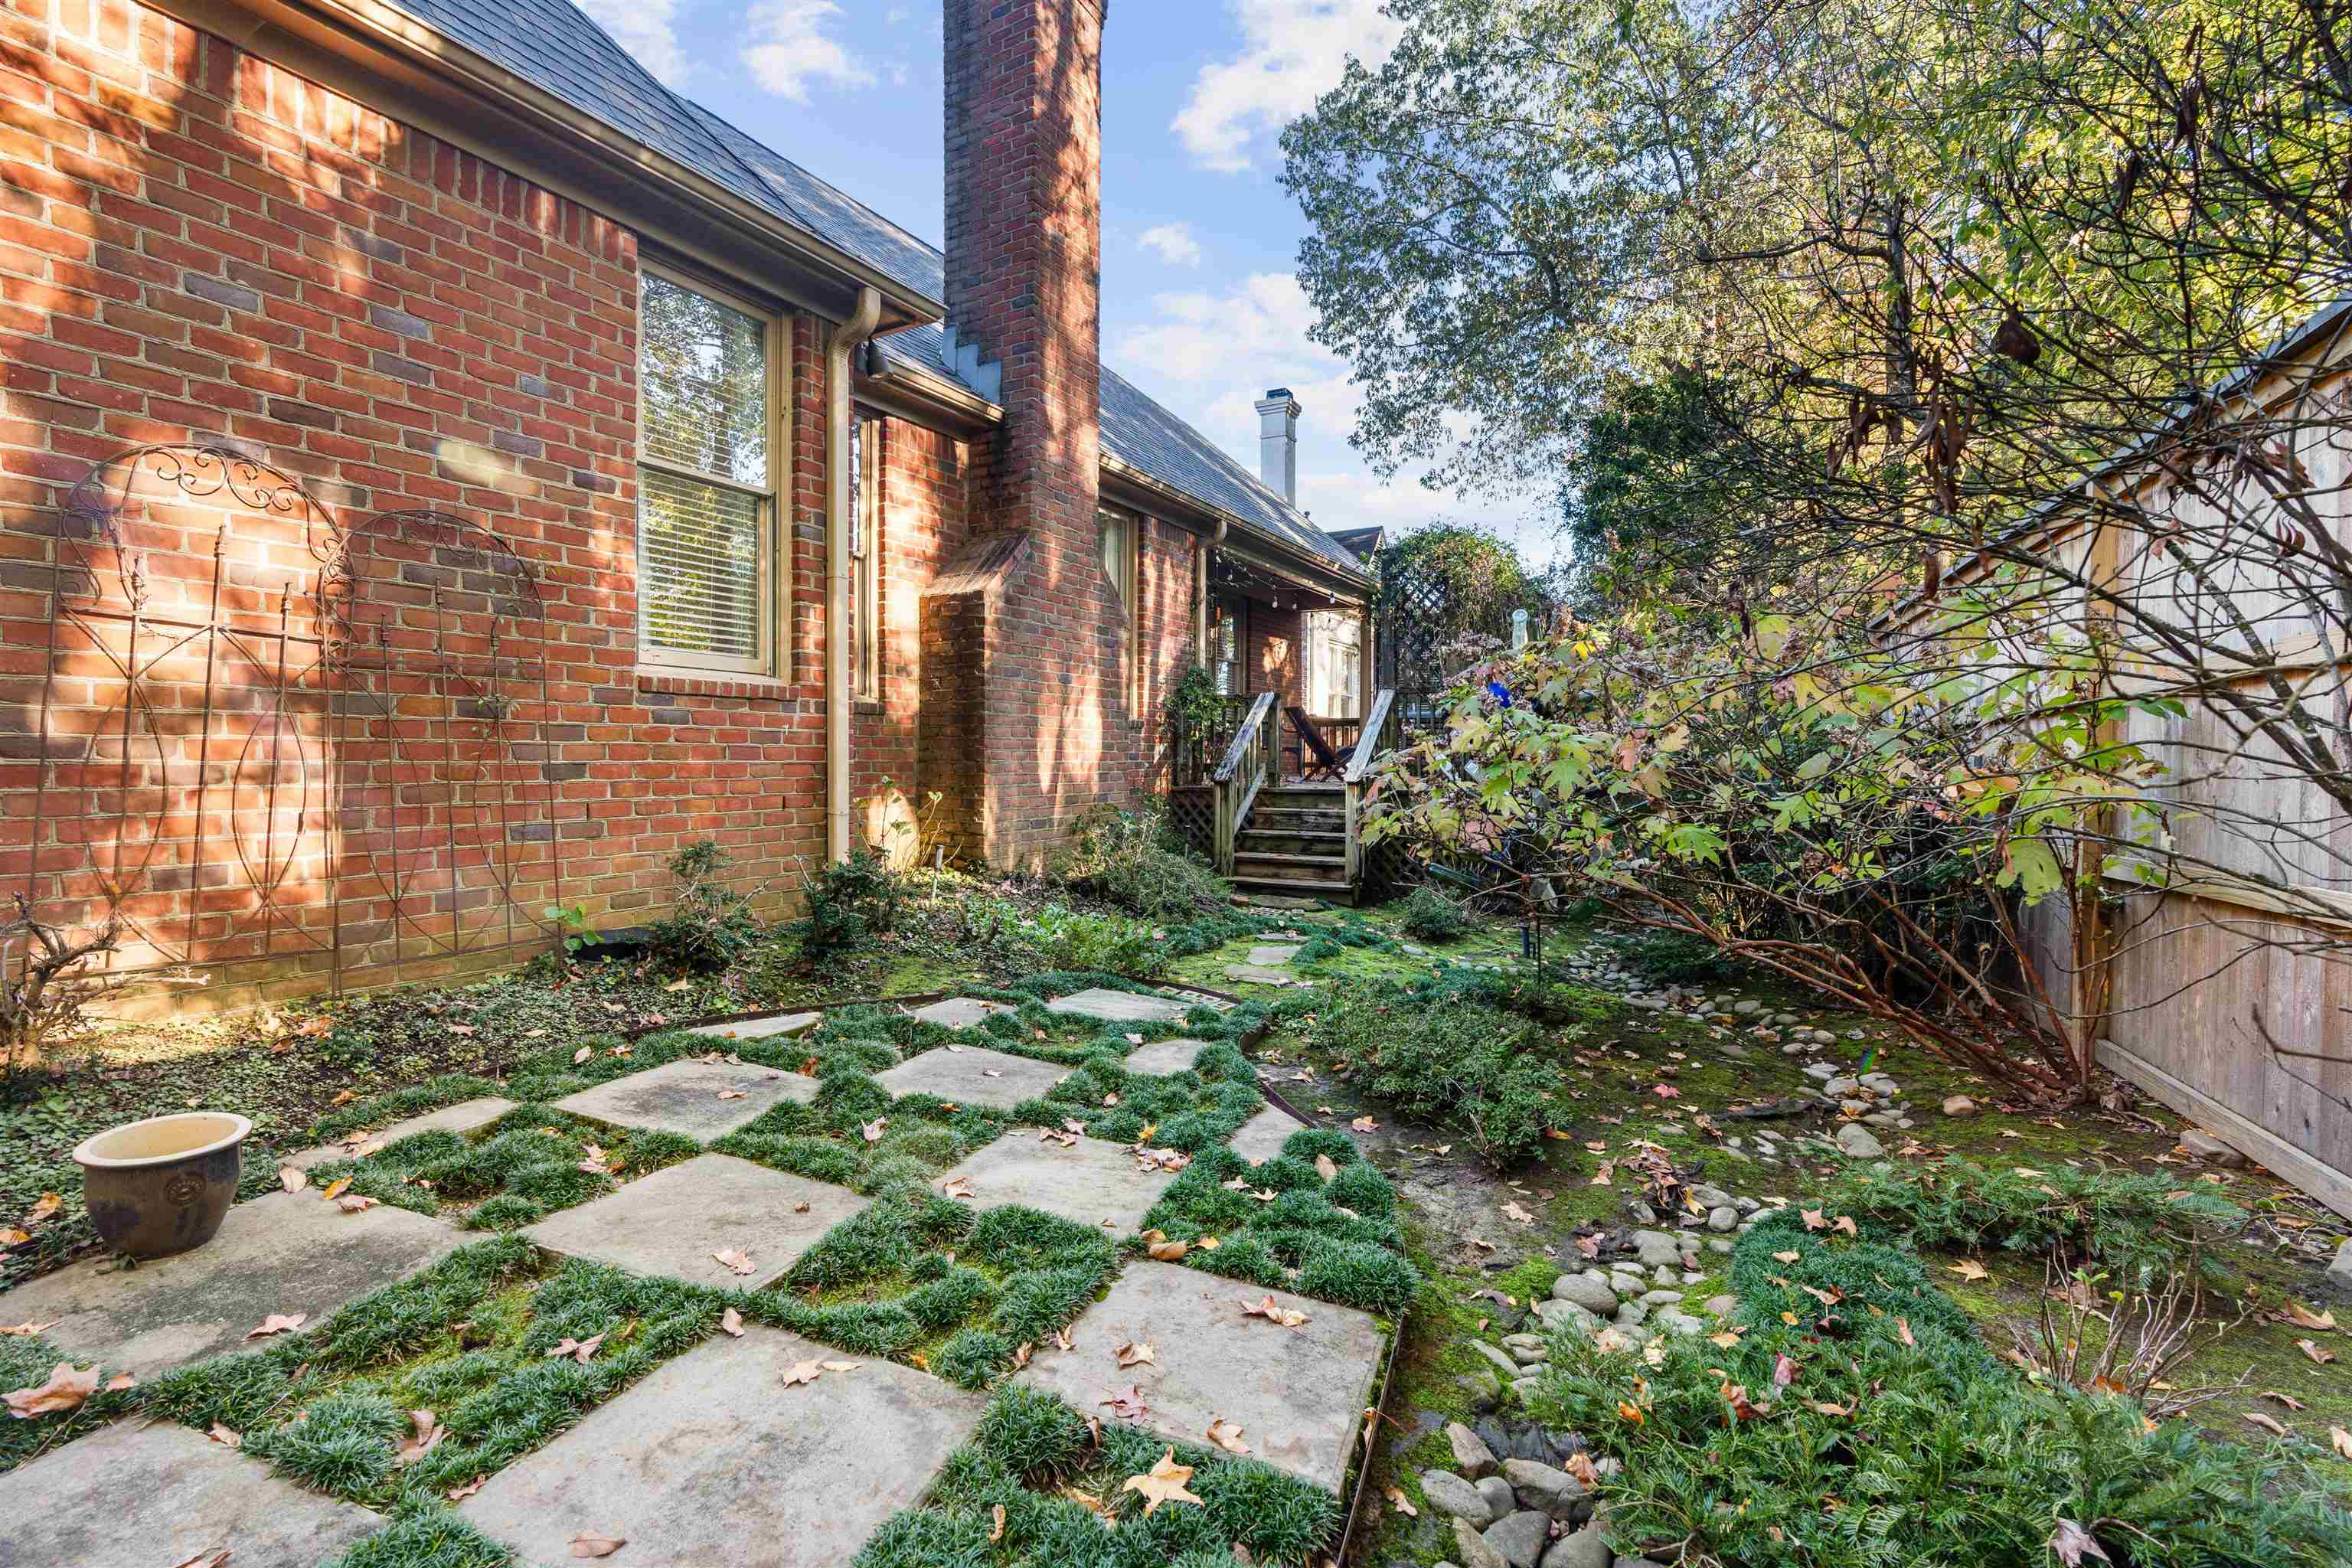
[[1201, 304]]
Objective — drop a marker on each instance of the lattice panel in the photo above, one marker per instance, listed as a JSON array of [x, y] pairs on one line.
[[1192, 817]]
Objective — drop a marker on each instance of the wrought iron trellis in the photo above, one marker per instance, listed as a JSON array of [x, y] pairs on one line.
[[270, 737]]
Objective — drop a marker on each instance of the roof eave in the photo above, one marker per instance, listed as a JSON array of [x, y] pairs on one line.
[[1311, 570]]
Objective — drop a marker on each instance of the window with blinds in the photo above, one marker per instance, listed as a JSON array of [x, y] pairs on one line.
[[706, 498]]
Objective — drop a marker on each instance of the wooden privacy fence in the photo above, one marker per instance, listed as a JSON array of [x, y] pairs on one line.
[[281, 753]]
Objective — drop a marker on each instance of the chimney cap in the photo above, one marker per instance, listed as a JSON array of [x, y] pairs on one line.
[[1278, 392]]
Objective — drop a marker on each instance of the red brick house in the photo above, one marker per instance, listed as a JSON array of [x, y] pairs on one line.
[[442, 470]]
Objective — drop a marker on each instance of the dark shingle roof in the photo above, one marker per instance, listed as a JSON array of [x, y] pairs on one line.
[[556, 46]]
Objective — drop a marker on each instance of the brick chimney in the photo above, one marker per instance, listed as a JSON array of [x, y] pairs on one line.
[[1044, 731]]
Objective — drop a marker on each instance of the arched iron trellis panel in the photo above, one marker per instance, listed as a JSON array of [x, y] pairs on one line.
[[260, 741]]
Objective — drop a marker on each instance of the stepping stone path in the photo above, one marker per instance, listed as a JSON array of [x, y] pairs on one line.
[[1273, 955], [960, 1012], [973, 1075], [1258, 975], [1297, 1394], [1163, 1058], [137, 1495], [1261, 1138], [1120, 1007], [712, 1460], [677, 1220], [1090, 1182], [789, 1025], [286, 1252], [461, 1117], [701, 1098]]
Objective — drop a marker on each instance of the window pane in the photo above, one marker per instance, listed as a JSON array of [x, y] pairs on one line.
[[705, 377], [698, 566], [1114, 551]]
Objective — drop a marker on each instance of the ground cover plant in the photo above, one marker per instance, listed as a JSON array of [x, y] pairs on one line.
[[1429, 915], [1131, 860], [1039, 1483], [523, 1167], [1850, 1376]]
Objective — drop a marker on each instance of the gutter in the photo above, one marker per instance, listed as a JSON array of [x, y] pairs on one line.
[[840, 351], [1308, 567]]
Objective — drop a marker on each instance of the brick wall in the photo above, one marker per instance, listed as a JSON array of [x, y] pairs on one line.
[[1276, 641], [195, 244]]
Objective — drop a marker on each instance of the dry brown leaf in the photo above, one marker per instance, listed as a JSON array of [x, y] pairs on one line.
[[1127, 1404], [2071, 1541], [1289, 1318], [67, 1387], [1844, 1222], [2303, 1318], [1227, 1436], [996, 1524], [1325, 1168], [1814, 1219], [1514, 1212], [352, 1203], [225, 1437], [2318, 1357], [958, 1188], [1972, 1270], [1580, 1465], [1399, 1501], [1365, 1124], [578, 1349], [730, 1094], [1164, 1482], [873, 1130], [277, 1323], [1169, 1251], [292, 1178], [210, 1557], [335, 1189], [730, 1322], [2269, 1424], [802, 1372], [344, 1097], [583, 1053], [459, 1494], [735, 1258], [1135, 1353], [25, 1330], [843, 1365], [586, 1545], [419, 1443], [1021, 1354], [1062, 1341], [2342, 1439]]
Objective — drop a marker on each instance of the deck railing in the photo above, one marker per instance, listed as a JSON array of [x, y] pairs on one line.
[[1370, 742], [1250, 760]]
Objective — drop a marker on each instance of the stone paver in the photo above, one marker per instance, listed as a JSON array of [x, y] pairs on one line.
[[287, 1252], [675, 1221], [791, 1024], [1090, 1180], [1119, 1007], [1272, 954], [1164, 1056], [1261, 1138], [686, 1097], [141, 1496], [711, 1459], [960, 1012], [463, 1117], [973, 1076], [1258, 975], [1297, 1394]]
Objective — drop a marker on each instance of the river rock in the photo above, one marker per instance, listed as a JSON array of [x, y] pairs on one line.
[[1450, 1494], [1521, 1538], [1471, 1454], [1589, 1291], [1858, 1143]]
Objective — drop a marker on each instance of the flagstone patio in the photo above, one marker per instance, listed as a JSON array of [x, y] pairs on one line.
[[790, 1023], [149, 1495], [286, 1252], [1119, 1007], [461, 1117], [676, 1222], [1261, 1138], [702, 1100], [1089, 1180], [973, 1075], [712, 1460], [1163, 1058], [960, 1012]]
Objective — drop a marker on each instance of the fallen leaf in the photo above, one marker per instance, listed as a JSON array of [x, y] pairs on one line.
[[996, 1524], [958, 1188], [277, 1323], [2071, 1540], [225, 1437], [1787, 1256], [1164, 1482], [1399, 1501], [2303, 1318], [1325, 1168], [1514, 1212], [1135, 1353], [427, 1432], [736, 1259], [730, 1094], [1580, 1465], [122, 1380], [843, 1365], [1903, 1332], [873, 1130], [2269, 1424], [1967, 1268], [578, 1349], [344, 1097], [2318, 1357], [459, 1494], [351, 1203], [583, 1053], [1844, 1222], [1227, 1436], [802, 1371], [730, 1322], [1127, 1404], [586, 1545], [26, 1330], [1289, 1318], [1365, 1124], [210, 1557], [335, 1189], [2342, 1439], [293, 1179], [1814, 1219], [1169, 1251], [68, 1388]]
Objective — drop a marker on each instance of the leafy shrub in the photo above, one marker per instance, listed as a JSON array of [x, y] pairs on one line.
[[1131, 860], [1430, 916], [1057, 939], [1879, 1395], [1469, 1064], [2144, 1227], [712, 926], [848, 901]]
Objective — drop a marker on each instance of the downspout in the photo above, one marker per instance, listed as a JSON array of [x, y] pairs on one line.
[[839, 350]]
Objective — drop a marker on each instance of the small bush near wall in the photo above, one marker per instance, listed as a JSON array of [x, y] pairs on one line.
[[1131, 860]]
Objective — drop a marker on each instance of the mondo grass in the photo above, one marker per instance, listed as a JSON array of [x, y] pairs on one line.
[[1059, 1480], [1285, 1229], [527, 1164]]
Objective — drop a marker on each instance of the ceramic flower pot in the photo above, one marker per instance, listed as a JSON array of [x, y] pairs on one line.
[[163, 1185]]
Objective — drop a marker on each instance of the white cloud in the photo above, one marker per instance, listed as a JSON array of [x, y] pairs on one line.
[[648, 29], [790, 49], [1292, 51], [1173, 242]]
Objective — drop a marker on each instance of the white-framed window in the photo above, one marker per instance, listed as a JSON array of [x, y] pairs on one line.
[[708, 461], [1119, 532], [1225, 615], [866, 558]]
